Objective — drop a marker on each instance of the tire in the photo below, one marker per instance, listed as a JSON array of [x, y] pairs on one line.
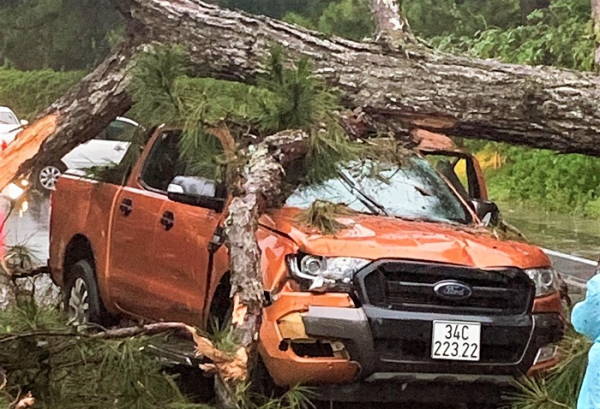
[[82, 300], [46, 177], [262, 384]]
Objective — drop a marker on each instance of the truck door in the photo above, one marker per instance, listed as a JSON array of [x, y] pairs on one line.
[[167, 276], [462, 170], [134, 221], [181, 244]]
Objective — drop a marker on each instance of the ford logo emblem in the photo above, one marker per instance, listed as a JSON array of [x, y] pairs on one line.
[[452, 290]]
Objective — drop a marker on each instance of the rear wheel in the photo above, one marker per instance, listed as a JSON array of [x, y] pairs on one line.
[[82, 300]]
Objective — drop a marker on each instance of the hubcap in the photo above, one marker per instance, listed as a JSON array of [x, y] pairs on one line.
[[79, 305], [48, 177]]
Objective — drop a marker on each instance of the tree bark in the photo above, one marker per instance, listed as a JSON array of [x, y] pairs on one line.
[[261, 183], [596, 22], [389, 22], [400, 89]]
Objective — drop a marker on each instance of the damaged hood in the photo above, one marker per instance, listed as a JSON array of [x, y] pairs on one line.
[[377, 237]]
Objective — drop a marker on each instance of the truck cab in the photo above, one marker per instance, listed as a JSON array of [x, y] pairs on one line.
[[412, 292]]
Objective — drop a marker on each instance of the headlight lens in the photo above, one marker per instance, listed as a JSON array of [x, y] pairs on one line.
[[326, 273], [544, 279]]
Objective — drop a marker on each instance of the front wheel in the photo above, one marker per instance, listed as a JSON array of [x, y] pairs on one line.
[[82, 300]]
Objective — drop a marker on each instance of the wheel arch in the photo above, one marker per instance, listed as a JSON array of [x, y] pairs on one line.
[[220, 299], [79, 248]]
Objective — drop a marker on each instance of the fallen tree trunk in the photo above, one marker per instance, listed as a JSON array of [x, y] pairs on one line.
[[399, 88], [260, 183]]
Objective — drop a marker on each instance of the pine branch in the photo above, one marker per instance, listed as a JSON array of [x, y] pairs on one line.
[[149, 329]]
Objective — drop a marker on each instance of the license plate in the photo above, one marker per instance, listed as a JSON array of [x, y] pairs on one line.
[[457, 341]]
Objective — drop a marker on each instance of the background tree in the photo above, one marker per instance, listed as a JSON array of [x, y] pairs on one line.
[[57, 34]]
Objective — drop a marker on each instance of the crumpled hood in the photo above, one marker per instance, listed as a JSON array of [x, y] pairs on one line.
[[377, 237], [586, 314]]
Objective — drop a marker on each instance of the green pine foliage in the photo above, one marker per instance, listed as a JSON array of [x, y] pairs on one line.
[[284, 98], [559, 390], [63, 369]]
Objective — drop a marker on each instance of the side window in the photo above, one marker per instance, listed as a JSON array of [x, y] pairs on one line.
[[163, 163], [118, 131], [460, 171], [166, 162]]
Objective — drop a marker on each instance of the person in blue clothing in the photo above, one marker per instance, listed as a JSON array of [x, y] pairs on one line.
[[586, 320]]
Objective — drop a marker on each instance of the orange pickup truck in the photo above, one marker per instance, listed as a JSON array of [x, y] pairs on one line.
[[415, 300]]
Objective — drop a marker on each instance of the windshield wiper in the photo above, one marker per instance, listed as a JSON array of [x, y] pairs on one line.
[[373, 205]]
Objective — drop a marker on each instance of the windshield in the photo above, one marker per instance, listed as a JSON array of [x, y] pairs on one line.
[[8, 118], [412, 191]]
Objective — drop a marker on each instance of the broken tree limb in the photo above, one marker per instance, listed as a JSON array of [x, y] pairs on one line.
[[261, 181], [77, 117]]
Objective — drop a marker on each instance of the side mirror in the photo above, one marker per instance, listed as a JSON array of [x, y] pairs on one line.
[[24, 122], [488, 212], [196, 191]]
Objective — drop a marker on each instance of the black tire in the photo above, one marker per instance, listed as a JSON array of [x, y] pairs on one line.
[[41, 175], [80, 289], [262, 384]]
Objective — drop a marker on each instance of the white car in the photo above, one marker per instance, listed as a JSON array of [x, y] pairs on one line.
[[10, 126], [107, 148]]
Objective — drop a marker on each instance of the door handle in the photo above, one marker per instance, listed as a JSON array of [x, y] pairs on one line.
[[168, 220], [126, 207]]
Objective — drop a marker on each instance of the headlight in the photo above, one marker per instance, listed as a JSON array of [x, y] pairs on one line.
[[326, 273], [544, 279]]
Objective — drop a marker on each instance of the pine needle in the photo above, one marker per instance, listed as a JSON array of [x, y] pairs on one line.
[[321, 215]]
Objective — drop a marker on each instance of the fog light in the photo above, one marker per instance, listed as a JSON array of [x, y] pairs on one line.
[[292, 327], [545, 354]]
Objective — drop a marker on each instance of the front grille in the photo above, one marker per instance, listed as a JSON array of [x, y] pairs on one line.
[[409, 286], [505, 296]]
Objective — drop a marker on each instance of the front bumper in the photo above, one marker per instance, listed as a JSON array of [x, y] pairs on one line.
[[375, 338], [386, 347]]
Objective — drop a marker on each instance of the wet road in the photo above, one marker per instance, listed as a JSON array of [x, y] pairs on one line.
[[30, 228], [571, 242]]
